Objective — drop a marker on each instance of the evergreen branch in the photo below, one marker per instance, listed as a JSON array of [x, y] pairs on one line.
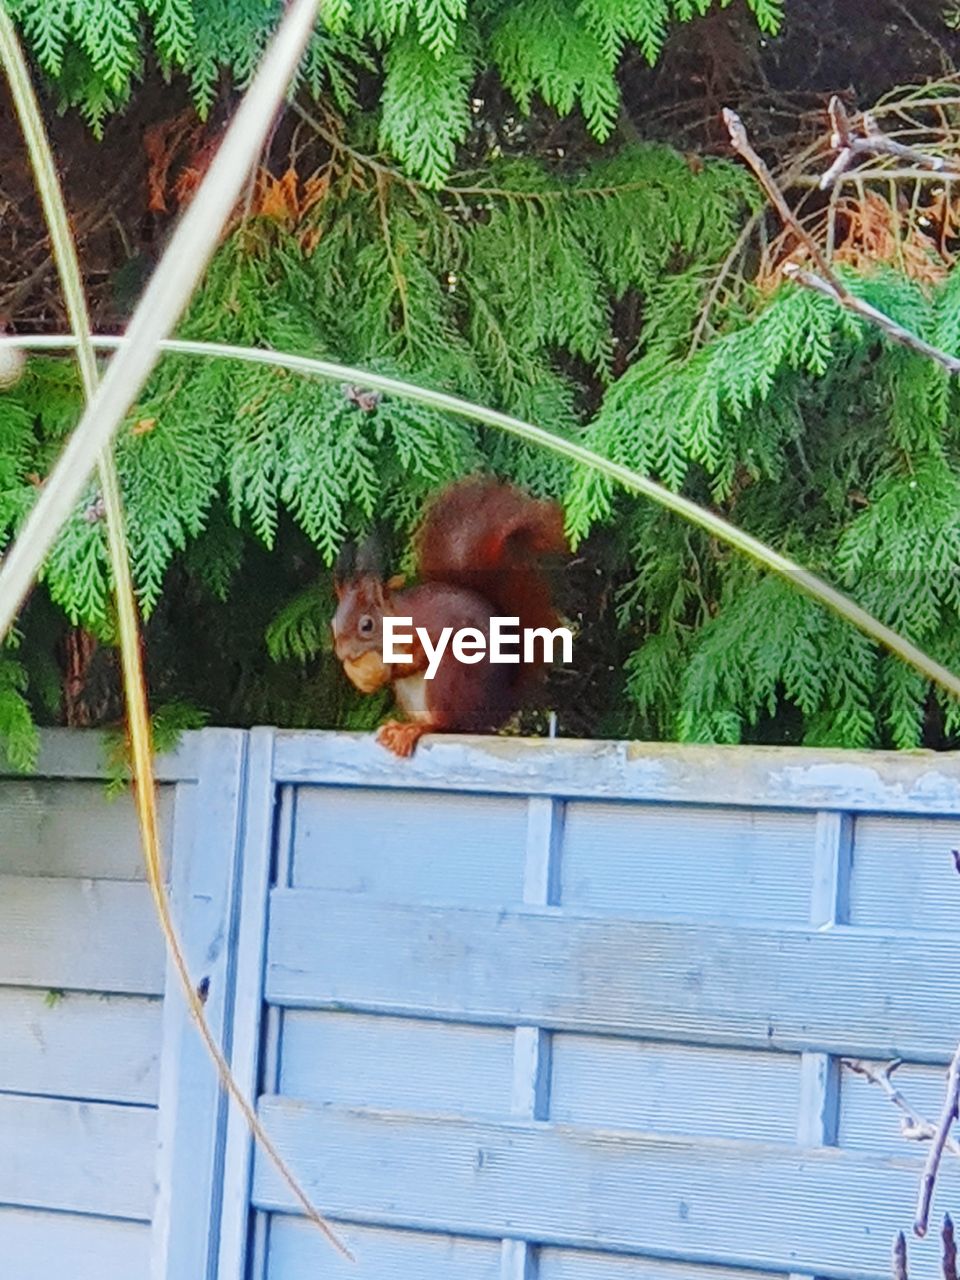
[[365, 161], [850, 302], [166, 296], [769, 558], [726, 267], [603, 191], [826, 282], [400, 280]]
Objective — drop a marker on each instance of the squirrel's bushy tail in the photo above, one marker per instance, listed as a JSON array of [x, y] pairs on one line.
[[488, 536]]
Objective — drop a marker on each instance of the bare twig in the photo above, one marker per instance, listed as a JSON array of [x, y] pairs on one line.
[[840, 140], [827, 282], [876, 142], [872, 142], [948, 1253], [898, 1269], [951, 1106], [742, 146], [913, 1126], [896, 332]]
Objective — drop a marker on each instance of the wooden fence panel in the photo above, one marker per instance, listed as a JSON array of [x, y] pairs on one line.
[[111, 1120], [512, 1011], [574, 1011]]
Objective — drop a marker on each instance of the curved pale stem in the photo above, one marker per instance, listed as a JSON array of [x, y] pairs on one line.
[[769, 558]]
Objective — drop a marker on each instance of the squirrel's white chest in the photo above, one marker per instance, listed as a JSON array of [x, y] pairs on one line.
[[411, 696]]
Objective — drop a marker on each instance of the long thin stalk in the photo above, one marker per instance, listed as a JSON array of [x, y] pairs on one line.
[[135, 692], [767, 556]]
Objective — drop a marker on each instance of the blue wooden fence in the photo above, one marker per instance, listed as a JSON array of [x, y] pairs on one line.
[[513, 1011]]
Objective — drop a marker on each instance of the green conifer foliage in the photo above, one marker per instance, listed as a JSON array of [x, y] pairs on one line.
[[579, 293], [565, 51]]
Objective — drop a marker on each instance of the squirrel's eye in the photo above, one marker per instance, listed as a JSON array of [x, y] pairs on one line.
[[365, 625]]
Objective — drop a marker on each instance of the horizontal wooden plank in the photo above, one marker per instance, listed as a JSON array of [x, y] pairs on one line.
[[670, 1088], [297, 1251], [903, 875], [410, 845], [56, 1046], [81, 753], [354, 1060], [79, 1157], [81, 935], [821, 1212], [648, 859], [61, 827], [582, 1264], [781, 777], [851, 991], [45, 1246]]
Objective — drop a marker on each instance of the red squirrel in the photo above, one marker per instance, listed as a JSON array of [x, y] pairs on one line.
[[478, 553]]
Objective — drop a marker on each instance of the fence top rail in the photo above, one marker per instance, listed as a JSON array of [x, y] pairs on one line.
[[917, 782], [775, 777], [85, 754]]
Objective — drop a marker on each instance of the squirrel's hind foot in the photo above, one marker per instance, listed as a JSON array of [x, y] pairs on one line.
[[401, 738]]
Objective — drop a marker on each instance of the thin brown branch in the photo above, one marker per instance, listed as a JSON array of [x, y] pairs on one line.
[[827, 282], [741, 144], [898, 1269], [948, 1249], [913, 1126], [896, 332], [873, 142], [951, 1107], [721, 277]]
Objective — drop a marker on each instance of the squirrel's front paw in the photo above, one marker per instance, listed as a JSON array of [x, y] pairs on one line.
[[401, 738]]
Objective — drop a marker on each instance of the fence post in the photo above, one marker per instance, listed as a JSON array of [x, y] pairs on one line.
[[203, 880], [256, 857]]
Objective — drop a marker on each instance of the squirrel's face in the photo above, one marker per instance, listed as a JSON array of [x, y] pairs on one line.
[[358, 632]]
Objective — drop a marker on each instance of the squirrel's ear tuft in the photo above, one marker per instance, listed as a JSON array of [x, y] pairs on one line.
[[345, 567], [369, 561]]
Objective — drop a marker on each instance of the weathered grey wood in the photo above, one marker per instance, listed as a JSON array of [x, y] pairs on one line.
[[407, 1064], [79, 753], [591, 996], [81, 935], [789, 988], [778, 777], [743, 1204], [47, 1246], [621, 1083], [203, 899], [82, 1157], [696, 861], [582, 1264], [103, 1048], [54, 827], [298, 1252], [260, 800]]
